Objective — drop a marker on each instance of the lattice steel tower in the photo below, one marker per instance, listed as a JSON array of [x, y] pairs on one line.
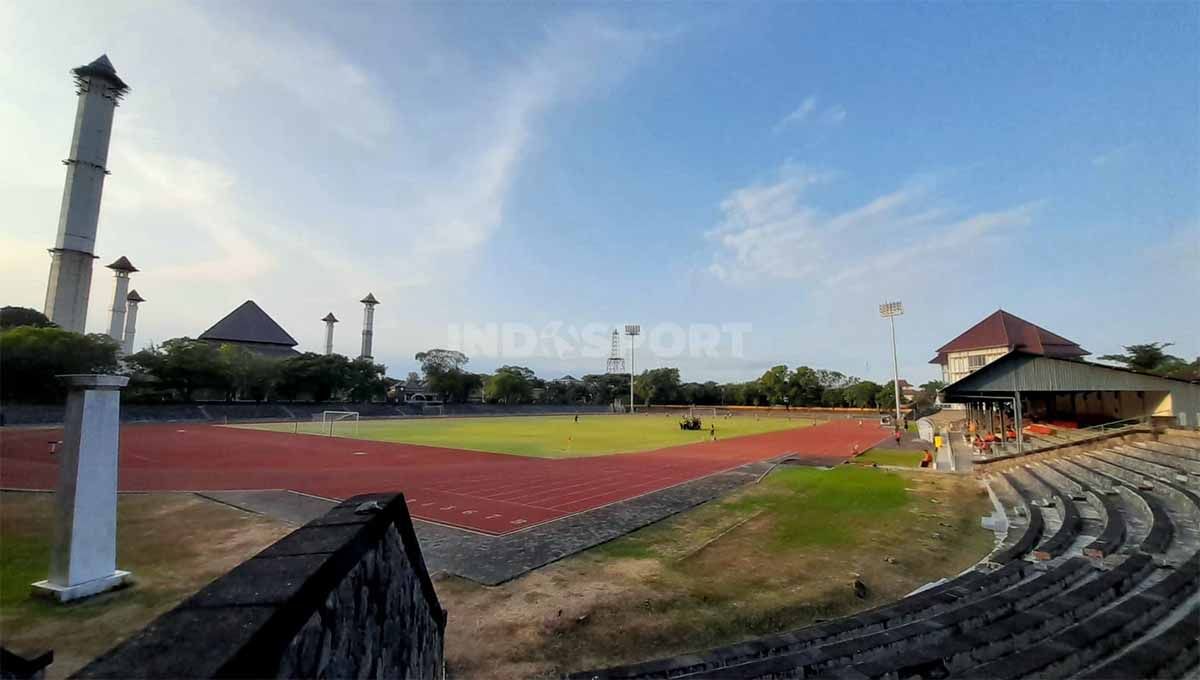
[[616, 362]]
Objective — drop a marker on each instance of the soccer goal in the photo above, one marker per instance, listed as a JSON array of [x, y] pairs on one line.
[[338, 422], [428, 410], [710, 411]]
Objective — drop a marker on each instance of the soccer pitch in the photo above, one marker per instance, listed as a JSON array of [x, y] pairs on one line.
[[545, 436]]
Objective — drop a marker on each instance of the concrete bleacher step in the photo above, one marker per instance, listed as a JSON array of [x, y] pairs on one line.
[[1170, 654], [1063, 616], [1070, 526], [1112, 536], [1168, 454], [1134, 458]]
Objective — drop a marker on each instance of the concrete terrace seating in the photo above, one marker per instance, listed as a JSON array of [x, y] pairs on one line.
[[1114, 589]]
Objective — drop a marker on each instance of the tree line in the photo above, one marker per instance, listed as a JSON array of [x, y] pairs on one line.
[[33, 351], [446, 375]]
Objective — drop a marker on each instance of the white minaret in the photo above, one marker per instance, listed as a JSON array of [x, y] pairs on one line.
[[116, 314], [99, 90], [130, 321], [369, 303], [329, 320]]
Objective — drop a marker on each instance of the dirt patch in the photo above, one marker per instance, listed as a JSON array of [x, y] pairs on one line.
[[173, 543], [729, 570]]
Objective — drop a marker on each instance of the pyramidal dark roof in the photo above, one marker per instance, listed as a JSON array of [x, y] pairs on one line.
[[249, 323], [101, 67], [330, 317], [369, 300], [134, 297], [122, 264], [1001, 329]]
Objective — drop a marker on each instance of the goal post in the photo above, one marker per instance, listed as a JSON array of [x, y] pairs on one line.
[[433, 410], [330, 419]]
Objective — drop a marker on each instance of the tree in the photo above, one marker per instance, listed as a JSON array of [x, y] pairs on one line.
[[605, 388], [31, 357], [12, 317], [183, 365], [775, 384], [657, 383], [444, 374], [366, 380], [248, 375], [1148, 358], [885, 396], [318, 376], [805, 387], [932, 387], [863, 394], [510, 385]]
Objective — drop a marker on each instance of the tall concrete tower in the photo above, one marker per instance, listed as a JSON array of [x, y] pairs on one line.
[[329, 320], [99, 90], [116, 314], [369, 303], [131, 321]]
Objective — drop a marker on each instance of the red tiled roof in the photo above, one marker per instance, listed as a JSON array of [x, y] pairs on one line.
[[1002, 329]]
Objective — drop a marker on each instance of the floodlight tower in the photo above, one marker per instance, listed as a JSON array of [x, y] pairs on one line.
[[368, 332], [329, 320], [889, 311], [632, 330], [616, 362], [132, 301], [99, 89], [122, 268]]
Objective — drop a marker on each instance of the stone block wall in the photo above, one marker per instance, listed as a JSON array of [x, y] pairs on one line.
[[346, 595]]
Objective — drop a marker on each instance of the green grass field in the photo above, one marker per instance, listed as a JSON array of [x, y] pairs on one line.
[[898, 457], [546, 436]]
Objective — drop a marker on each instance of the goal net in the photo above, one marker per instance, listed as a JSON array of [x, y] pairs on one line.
[[428, 410], [339, 423]]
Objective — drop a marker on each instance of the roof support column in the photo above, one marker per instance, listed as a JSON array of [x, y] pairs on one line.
[[1017, 417]]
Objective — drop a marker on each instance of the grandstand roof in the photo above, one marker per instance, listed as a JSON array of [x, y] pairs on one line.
[[1001, 329], [249, 324]]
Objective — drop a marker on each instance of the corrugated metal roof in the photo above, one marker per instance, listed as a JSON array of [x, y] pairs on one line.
[[1026, 372]]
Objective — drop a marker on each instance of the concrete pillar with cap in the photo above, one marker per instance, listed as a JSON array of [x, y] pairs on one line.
[[83, 557]]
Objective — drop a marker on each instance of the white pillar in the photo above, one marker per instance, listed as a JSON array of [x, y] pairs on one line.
[[99, 89], [132, 300], [83, 558], [329, 320], [116, 312], [368, 331]]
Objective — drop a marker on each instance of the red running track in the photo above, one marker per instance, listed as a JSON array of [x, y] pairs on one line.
[[486, 492]]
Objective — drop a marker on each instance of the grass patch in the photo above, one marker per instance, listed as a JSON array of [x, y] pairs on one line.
[[548, 436], [897, 457], [173, 543], [772, 557]]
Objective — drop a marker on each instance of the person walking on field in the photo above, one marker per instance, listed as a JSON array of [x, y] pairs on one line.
[[927, 459], [898, 438]]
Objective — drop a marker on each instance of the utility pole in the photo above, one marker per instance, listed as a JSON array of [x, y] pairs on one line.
[[632, 330], [891, 310]]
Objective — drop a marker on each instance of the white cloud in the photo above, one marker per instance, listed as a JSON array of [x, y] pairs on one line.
[[255, 158], [776, 231], [800, 114], [807, 111]]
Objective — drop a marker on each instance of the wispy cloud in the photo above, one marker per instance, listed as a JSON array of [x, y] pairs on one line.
[[808, 111], [260, 158], [777, 230], [1112, 156]]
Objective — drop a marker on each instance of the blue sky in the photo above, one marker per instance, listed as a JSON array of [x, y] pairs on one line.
[[782, 166]]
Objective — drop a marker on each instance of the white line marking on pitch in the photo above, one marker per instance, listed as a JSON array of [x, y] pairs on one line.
[[493, 516], [469, 512], [359, 453], [517, 521], [448, 507]]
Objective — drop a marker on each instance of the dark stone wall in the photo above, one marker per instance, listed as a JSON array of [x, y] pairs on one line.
[[346, 595]]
